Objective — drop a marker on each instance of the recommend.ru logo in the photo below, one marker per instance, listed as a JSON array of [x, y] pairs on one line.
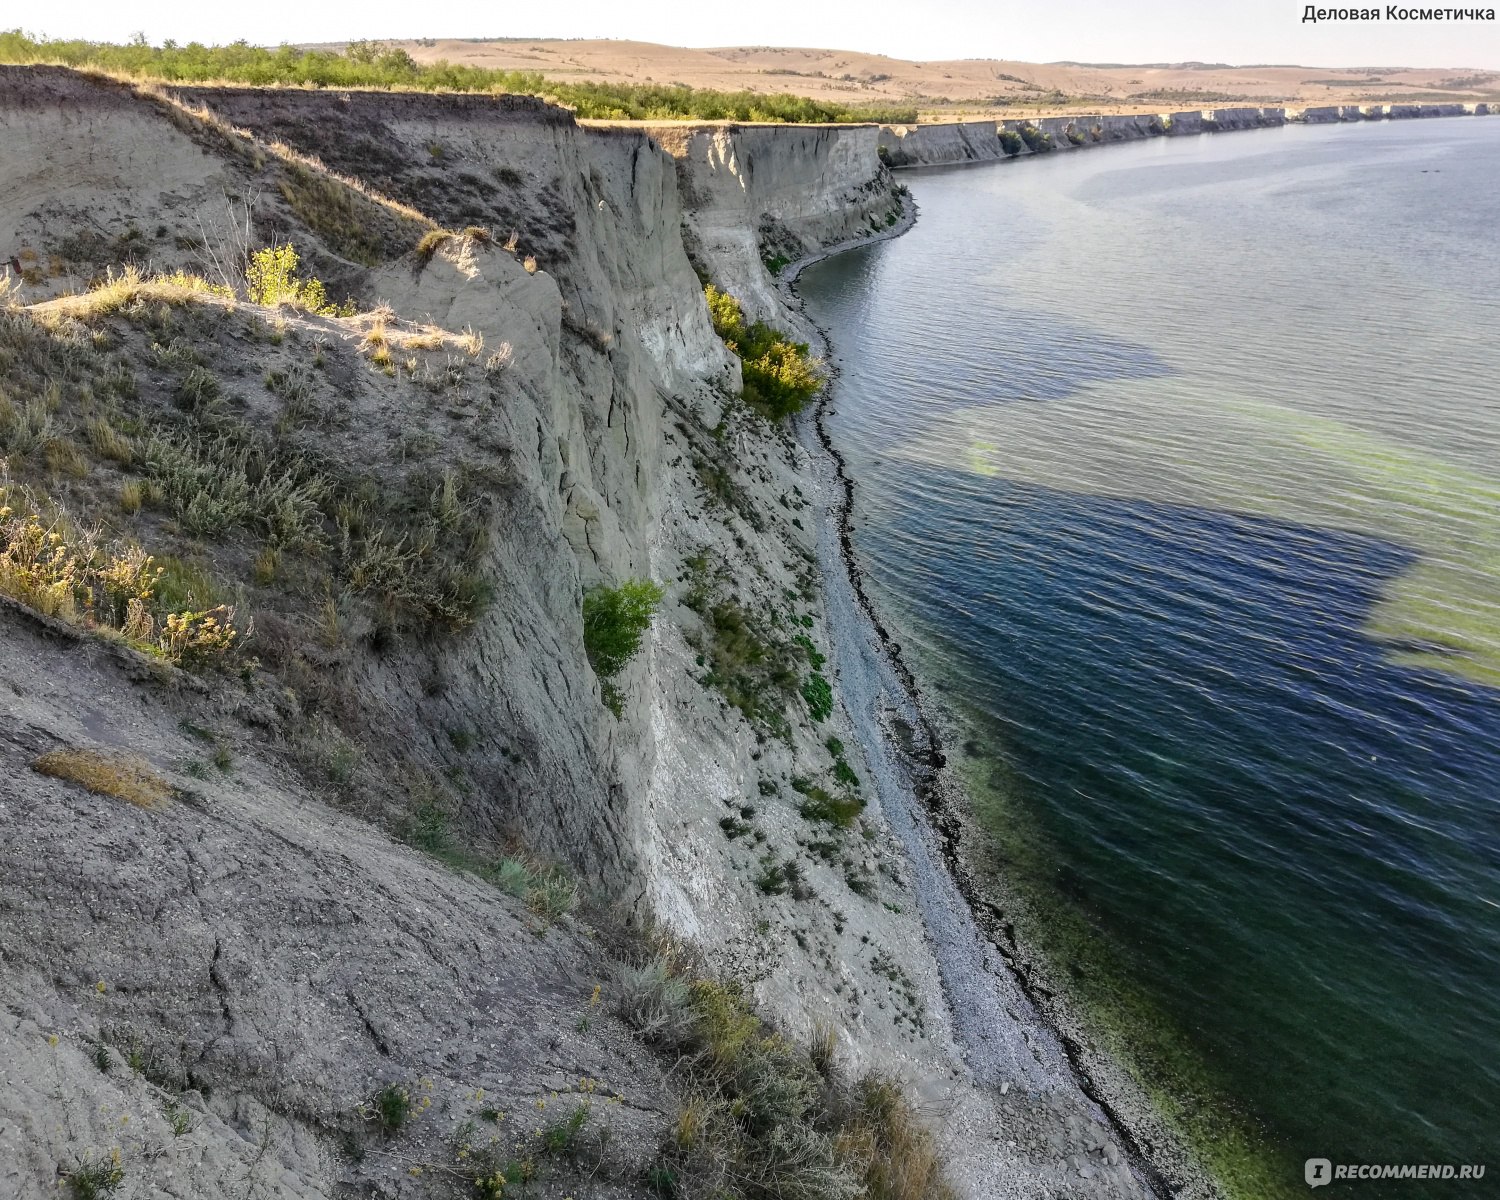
[[1319, 1172]]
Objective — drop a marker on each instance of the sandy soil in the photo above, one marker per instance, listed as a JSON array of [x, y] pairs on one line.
[[977, 86]]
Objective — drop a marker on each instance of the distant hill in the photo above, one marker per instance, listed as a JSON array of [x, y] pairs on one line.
[[978, 86]]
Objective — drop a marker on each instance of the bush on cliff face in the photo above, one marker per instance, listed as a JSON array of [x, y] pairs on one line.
[[614, 620], [1011, 142], [780, 376], [1037, 141]]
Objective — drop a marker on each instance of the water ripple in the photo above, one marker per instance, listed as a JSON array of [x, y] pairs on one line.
[[1178, 465]]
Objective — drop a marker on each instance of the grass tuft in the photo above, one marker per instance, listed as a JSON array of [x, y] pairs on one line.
[[123, 776], [92, 1178], [432, 241]]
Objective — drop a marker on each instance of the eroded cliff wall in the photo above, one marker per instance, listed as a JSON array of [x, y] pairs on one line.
[[951, 143], [757, 195], [528, 401]]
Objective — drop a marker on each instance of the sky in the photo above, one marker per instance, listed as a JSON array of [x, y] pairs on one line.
[[1127, 31]]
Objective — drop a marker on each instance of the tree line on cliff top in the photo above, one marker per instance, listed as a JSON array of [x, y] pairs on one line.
[[375, 65]]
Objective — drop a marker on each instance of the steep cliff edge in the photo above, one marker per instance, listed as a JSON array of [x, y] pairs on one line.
[[954, 143], [526, 399], [757, 197]]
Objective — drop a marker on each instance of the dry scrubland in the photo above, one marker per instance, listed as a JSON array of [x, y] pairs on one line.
[[948, 90]]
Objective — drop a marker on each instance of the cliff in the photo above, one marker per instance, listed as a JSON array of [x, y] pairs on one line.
[[946, 144], [756, 197], [376, 911]]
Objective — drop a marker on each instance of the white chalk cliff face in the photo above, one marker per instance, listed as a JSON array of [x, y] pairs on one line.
[[262, 942], [949, 143]]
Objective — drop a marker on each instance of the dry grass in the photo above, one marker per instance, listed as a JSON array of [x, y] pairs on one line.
[[384, 338], [893, 1152], [432, 241], [345, 212], [763, 1117], [131, 286], [123, 776], [107, 442], [194, 120]]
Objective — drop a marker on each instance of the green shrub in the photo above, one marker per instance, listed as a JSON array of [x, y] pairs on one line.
[[818, 693], [780, 376], [562, 1137], [392, 1107], [271, 277], [814, 659], [367, 65], [513, 876], [818, 804], [614, 621], [1011, 142], [1037, 141]]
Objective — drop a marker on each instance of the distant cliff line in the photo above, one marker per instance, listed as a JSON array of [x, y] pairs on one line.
[[991, 140]]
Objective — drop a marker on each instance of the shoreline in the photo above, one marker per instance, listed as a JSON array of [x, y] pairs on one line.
[[939, 794], [981, 140]]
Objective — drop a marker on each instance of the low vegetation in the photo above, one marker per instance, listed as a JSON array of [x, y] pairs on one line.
[[62, 572], [819, 804], [350, 221], [763, 1117], [403, 548], [91, 1178], [1036, 141], [107, 773], [780, 376], [748, 657], [548, 890], [271, 279], [818, 693], [614, 622], [372, 65]]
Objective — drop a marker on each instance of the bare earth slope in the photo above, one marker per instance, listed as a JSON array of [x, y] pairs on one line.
[[979, 86]]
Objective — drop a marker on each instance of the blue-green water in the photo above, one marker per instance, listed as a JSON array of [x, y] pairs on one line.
[[1179, 466]]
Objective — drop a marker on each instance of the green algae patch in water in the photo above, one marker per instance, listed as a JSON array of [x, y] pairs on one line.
[[1118, 1017], [1214, 559]]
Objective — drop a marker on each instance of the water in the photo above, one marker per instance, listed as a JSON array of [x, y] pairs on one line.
[[1178, 466]]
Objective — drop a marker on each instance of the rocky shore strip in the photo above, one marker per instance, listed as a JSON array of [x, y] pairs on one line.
[[1061, 1115]]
